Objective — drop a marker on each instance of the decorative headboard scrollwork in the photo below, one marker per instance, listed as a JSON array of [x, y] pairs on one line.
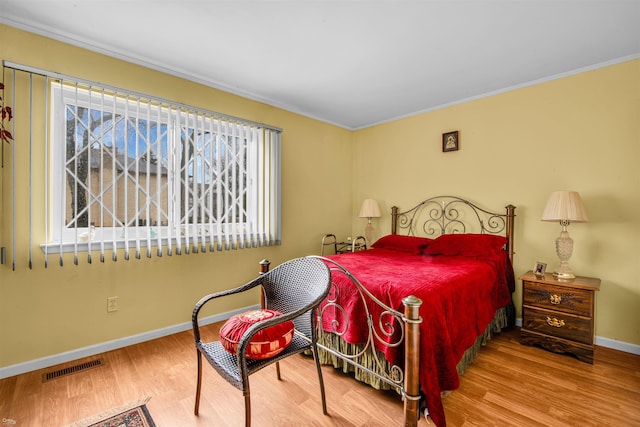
[[448, 215]]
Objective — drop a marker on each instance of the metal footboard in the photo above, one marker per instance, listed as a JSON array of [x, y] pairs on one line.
[[387, 328]]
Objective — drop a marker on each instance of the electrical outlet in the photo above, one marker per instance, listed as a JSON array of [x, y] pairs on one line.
[[112, 304]]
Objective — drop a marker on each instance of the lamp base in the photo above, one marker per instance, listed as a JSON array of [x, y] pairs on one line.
[[564, 249], [368, 234], [563, 275]]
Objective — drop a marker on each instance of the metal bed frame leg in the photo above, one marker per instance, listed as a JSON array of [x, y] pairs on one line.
[[412, 361]]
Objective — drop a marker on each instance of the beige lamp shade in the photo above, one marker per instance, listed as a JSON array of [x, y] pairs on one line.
[[565, 206], [370, 209]]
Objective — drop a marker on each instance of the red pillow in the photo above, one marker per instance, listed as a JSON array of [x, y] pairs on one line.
[[467, 245], [264, 344], [396, 242]]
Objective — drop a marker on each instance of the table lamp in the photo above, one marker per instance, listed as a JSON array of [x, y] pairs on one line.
[[565, 207], [369, 209]]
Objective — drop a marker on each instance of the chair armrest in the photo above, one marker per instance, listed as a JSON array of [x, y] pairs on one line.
[[207, 298]]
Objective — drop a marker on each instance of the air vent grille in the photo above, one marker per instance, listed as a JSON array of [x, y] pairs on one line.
[[48, 376]]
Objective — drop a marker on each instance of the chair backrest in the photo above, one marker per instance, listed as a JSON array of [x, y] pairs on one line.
[[299, 284]]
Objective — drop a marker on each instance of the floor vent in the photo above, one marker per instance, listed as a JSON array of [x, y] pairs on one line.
[[48, 376]]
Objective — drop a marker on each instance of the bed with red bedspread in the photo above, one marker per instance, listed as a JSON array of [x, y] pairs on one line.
[[463, 280]]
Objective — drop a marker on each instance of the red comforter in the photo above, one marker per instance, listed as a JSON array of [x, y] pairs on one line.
[[460, 296]]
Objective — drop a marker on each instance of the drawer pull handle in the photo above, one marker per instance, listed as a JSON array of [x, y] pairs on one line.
[[555, 322], [555, 299]]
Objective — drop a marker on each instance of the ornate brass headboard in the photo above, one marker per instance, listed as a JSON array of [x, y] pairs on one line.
[[450, 214]]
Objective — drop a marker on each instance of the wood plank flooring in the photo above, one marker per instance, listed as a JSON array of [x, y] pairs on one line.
[[507, 385]]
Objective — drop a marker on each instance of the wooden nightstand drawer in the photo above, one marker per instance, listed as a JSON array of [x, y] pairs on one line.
[[558, 324], [558, 315], [551, 297]]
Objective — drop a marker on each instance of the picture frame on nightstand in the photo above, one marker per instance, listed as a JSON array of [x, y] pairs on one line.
[[539, 269]]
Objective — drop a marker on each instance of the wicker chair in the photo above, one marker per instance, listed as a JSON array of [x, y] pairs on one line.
[[295, 288]]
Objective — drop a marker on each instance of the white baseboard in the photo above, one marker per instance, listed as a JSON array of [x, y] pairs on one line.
[[69, 356], [618, 345], [607, 342]]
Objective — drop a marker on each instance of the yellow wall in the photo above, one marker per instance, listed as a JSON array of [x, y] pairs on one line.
[[44, 312], [577, 133]]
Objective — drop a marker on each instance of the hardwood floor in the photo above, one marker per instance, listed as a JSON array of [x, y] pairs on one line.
[[508, 384]]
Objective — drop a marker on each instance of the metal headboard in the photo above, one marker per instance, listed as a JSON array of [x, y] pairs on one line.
[[450, 214]]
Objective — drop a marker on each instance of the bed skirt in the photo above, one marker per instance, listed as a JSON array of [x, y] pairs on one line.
[[501, 320]]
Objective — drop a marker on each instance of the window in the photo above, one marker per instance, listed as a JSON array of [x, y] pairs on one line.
[[133, 172]]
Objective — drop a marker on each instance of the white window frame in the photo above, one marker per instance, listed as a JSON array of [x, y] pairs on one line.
[[178, 234]]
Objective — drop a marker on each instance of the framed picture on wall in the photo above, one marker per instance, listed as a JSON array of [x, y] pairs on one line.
[[450, 141]]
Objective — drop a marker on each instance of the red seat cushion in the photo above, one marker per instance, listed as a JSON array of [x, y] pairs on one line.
[[264, 344]]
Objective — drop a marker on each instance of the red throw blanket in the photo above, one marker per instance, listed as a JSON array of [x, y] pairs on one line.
[[460, 296]]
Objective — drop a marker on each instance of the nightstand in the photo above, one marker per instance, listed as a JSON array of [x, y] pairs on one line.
[[355, 245], [558, 315]]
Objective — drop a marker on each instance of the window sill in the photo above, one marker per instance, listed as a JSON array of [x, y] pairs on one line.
[[175, 245]]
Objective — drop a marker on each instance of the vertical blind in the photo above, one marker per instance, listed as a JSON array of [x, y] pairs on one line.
[[113, 173]]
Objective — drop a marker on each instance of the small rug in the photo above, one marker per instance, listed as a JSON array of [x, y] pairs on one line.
[[134, 414]]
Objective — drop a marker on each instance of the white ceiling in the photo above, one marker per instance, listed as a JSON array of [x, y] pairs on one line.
[[350, 63]]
